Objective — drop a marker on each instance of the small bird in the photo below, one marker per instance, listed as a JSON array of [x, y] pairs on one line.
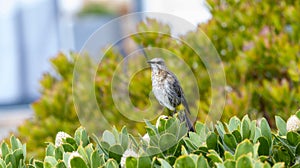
[[167, 90]]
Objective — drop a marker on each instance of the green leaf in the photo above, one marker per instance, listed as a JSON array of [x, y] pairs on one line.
[[195, 139], [18, 154], [189, 144], [78, 162], [95, 160], [59, 153], [266, 130], [182, 130], [214, 156], [230, 141], [228, 155], [234, 124], [60, 164], [278, 165], [144, 161], [153, 136], [229, 164], [293, 138], [149, 125], [164, 164], [246, 127], [111, 163], [109, 137], [29, 166], [38, 164], [82, 153], [167, 141], [104, 147], [184, 161], [151, 151], [220, 129], [257, 134], [202, 162], [4, 149], [68, 147], [172, 126], [297, 151], [116, 152], [243, 148], [280, 154], [89, 150], [212, 141], [50, 150], [131, 162], [281, 126], [237, 136], [9, 165], [124, 138], [184, 151], [15, 144], [116, 134], [244, 162], [295, 166], [50, 160], [2, 163], [71, 141], [264, 147], [81, 137], [10, 158], [252, 130], [161, 125], [198, 127]]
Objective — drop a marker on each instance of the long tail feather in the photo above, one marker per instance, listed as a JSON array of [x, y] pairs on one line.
[[188, 121]]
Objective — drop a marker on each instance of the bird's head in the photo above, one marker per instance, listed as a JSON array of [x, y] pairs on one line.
[[157, 63]]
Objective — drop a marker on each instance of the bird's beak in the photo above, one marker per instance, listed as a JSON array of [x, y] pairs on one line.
[[150, 62]]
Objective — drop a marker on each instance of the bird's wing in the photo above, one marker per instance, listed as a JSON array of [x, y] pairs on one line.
[[178, 95], [179, 92], [175, 92]]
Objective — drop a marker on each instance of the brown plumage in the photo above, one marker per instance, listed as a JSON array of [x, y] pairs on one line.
[[167, 89]]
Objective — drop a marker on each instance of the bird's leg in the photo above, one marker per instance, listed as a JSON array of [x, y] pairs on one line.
[[174, 112]]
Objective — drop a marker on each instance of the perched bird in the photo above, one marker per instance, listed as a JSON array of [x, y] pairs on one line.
[[167, 90]]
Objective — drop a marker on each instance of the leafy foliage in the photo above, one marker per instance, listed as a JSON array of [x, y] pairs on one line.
[[259, 45], [238, 143]]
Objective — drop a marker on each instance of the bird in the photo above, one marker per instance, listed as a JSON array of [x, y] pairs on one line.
[[167, 90]]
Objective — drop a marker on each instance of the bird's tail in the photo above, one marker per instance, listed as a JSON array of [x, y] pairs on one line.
[[188, 121], [187, 112]]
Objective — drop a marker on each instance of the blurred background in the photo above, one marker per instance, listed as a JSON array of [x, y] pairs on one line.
[[258, 43], [33, 31]]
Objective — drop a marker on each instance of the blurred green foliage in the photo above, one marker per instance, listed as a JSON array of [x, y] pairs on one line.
[[95, 9], [260, 47], [54, 111]]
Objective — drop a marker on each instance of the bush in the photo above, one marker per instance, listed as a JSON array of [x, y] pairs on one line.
[[237, 143], [55, 110], [259, 45]]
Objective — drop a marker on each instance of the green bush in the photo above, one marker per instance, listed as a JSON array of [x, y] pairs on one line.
[[259, 45], [237, 143], [55, 110]]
